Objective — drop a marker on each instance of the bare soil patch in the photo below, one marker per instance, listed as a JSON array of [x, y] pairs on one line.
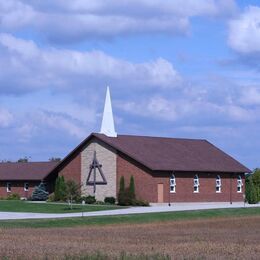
[[219, 238]]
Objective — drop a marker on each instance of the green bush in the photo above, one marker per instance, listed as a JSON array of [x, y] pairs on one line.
[[110, 200], [142, 203], [88, 199], [99, 202], [251, 191], [132, 188], [51, 198], [13, 196], [60, 191]]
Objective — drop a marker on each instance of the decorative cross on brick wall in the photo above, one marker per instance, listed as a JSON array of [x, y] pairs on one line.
[[94, 166]]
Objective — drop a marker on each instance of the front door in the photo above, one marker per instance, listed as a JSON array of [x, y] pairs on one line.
[[160, 192]]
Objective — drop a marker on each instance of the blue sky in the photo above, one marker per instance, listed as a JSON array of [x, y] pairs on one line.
[[175, 68]]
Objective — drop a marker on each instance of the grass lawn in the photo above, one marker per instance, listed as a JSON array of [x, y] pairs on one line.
[[131, 219], [24, 206]]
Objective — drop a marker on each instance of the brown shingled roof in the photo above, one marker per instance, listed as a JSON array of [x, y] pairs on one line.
[[174, 154], [25, 171], [167, 154]]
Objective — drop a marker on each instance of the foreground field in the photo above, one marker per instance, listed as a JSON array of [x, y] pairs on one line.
[[24, 206], [201, 234], [214, 238]]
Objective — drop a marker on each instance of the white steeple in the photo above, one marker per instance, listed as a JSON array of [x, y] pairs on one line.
[[108, 126]]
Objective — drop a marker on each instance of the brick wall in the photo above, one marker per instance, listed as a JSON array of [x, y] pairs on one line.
[[72, 170], [17, 187], [146, 184]]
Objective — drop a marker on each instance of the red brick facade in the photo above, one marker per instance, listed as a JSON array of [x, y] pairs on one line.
[[72, 170], [146, 184], [17, 187]]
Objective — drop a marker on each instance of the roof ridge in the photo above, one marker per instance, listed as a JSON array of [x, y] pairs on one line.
[[160, 137]]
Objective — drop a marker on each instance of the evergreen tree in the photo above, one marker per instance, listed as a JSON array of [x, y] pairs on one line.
[[60, 190], [121, 194], [40, 193], [132, 189]]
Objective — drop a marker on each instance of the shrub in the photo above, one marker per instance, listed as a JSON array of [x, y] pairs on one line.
[[99, 202], [13, 196], [51, 198], [110, 200], [251, 191], [142, 203], [88, 199], [256, 181], [40, 193], [60, 190]]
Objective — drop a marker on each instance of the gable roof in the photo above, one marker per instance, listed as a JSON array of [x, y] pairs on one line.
[[168, 154], [25, 171]]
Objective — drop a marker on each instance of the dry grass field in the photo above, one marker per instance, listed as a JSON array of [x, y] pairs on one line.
[[217, 238]]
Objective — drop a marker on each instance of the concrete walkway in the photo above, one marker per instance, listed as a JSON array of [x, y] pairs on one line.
[[132, 210]]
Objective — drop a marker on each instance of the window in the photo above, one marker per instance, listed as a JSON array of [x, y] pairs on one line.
[[218, 184], [239, 183], [172, 183], [196, 183], [8, 187], [26, 186]]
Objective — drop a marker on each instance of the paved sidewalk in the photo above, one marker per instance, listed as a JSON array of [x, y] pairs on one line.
[[132, 210]]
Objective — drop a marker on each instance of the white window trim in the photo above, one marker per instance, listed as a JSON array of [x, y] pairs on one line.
[[173, 185], [24, 187], [239, 184], [7, 187], [196, 183], [218, 184]]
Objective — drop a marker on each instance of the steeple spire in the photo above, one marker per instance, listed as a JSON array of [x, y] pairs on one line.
[[108, 126]]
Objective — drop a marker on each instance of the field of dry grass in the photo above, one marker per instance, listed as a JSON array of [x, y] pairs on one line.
[[219, 238]]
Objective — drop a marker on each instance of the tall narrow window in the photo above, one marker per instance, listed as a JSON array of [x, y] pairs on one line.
[[196, 183], [26, 186], [218, 184], [239, 183], [8, 187], [172, 183]]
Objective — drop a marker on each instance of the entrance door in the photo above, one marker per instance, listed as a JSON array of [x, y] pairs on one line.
[[160, 192]]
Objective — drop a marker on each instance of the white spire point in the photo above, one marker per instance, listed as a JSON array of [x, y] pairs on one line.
[[108, 126]]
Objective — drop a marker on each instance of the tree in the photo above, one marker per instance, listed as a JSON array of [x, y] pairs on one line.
[[60, 190], [23, 160], [121, 193], [40, 193], [251, 192], [132, 188], [54, 159], [72, 192], [256, 181]]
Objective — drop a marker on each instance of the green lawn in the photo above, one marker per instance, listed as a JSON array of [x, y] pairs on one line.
[[24, 206], [130, 219]]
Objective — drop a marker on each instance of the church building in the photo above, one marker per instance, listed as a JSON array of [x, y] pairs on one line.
[[165, 170]]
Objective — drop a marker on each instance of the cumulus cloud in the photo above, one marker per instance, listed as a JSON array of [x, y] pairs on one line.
[[244, 31], [188, 111], [36, 68], [76, 20], [6, 117]]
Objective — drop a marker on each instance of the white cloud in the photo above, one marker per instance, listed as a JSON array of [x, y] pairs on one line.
[[188, 111], [250, 96], [6, 117], [244, 31], [79, 19], [36, 68]]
